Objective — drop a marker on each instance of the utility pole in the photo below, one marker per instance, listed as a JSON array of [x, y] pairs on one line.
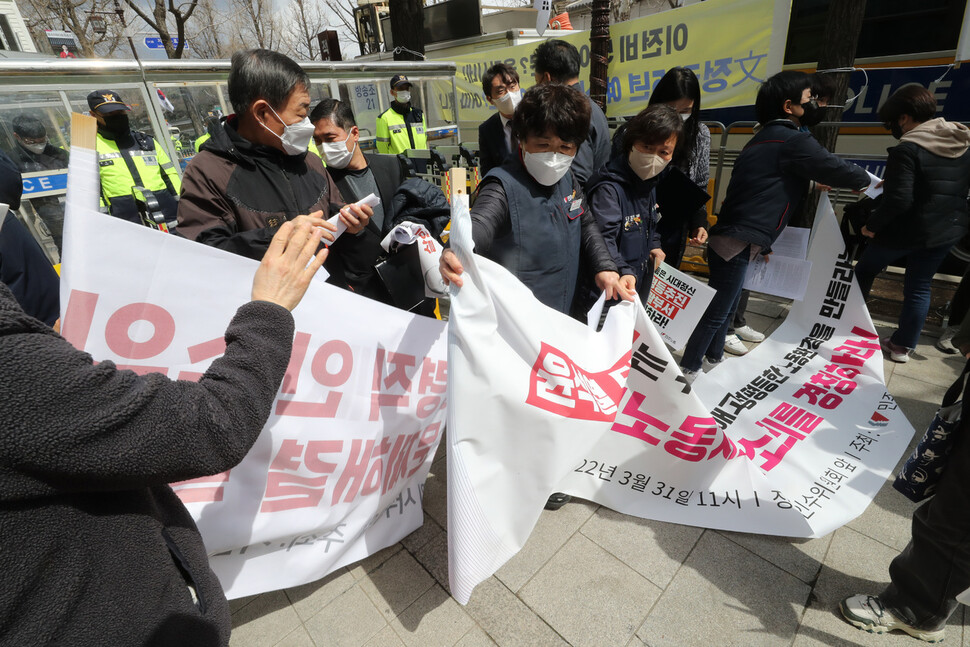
[[599, 49], [839, 42]]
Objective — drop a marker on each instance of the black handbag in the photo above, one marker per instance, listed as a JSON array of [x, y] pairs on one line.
[[918, 478]]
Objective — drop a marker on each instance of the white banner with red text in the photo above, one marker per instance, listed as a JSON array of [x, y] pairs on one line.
[[339, 469], [794, 439]]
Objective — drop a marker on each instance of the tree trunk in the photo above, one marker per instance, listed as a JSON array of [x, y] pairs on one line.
[[599, 49], [407, 28], [842, 26]]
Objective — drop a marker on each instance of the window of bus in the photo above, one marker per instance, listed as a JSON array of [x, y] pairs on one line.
[[35, 133], [889, 28], [189, 108]]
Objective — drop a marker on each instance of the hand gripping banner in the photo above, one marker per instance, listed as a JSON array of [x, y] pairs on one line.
[[794, 439]]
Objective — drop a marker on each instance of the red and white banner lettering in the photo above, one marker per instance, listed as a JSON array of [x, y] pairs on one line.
[[339, 469], [793, 439]]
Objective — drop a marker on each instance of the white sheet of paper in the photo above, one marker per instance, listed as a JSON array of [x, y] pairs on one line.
[[781, 276], [872, 191], [370, 200], [793, 243]]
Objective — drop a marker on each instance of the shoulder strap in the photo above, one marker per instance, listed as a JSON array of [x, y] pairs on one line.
[[956, 389]]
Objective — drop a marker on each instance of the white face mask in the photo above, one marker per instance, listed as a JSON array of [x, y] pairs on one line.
[[36, 149], [507, 102], [403, 96], [684, 116], [547, 168], [296, 137], [336, 153], [646, 165]]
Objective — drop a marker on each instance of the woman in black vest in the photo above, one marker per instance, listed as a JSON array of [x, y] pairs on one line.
[[532, 204]]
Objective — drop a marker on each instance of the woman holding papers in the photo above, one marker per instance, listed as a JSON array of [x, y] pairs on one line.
[[923, 210], [770, 179], [623, 195]]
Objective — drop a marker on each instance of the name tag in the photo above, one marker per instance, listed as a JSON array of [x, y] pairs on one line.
[[576, 204], [150, 160], [106, 162]]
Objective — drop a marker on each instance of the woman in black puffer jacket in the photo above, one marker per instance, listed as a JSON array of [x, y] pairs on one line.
[[923, 210]]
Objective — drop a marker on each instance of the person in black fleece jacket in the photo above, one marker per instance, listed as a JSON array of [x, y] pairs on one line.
[[95, 548], [771, 178]]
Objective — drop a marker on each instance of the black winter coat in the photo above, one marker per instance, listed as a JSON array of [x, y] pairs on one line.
[[771, 178], [924, 201], [95, 548]]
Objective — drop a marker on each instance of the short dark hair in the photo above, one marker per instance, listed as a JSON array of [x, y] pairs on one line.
[[912, 99], [784, 86], [507, 72], [336, 111], [553, 108], [559, 58], [263, 74], [653, 125], [29, 126], [823, 85]]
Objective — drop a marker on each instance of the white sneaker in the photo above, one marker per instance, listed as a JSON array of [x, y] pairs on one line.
[[945, 343], [707, 364], [867, 613], [734, 345], [747, 333], [690, 376], [896, 353]]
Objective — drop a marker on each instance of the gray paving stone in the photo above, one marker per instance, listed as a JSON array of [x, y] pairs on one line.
[[372, 562], [297, 638], [435, 490], [854, 564], [433, 554], [428, 530], [918, 399], [654, 549], [887, 519], [265, 621], [475, 638], [588, 596], [396, 583], [434, 620], [349, 621], [239, 603], [636, 642], [308, 599], [507, 619], [799, 557], [552, 530], [386, 637], [725, 595], [932, 366]]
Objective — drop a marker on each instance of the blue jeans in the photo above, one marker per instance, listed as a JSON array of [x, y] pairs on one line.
[[921, 265], [727, 277]]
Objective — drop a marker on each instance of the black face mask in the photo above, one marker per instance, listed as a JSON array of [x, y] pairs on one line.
[[813, 114], [115, 125], [896, 130]]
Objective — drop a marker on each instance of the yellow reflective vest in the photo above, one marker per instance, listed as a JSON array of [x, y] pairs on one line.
[[395, 136], [201, 140], [145, 164]]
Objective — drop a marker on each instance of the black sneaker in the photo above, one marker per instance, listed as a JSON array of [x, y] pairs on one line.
[[557, 500]]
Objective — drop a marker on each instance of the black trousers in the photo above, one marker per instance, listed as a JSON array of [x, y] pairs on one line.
[[935, 567]]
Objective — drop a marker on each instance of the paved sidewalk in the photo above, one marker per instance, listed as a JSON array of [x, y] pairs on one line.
[[591, 576]]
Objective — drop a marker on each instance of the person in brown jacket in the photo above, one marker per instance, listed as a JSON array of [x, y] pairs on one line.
[[254, 173]]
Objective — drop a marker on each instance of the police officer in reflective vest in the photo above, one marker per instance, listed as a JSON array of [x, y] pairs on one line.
[[129, 158], [402, 126]]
